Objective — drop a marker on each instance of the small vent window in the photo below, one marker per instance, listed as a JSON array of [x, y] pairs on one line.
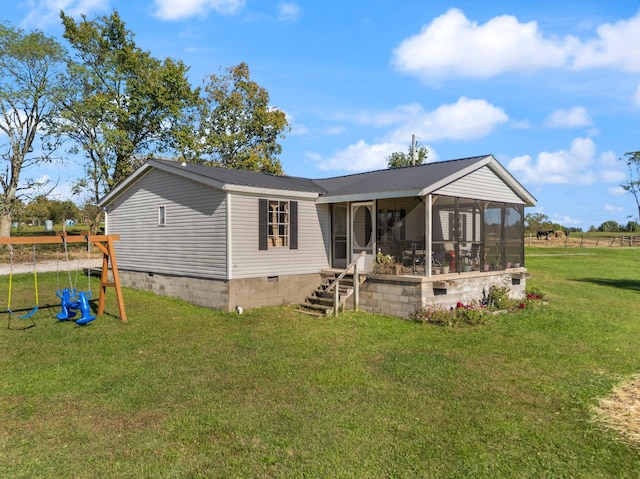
[[162, 215]]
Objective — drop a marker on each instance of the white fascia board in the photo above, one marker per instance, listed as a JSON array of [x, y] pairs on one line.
[[514, 184], [458, 174], [379, 195], [494, 166], [151, 164], [124, 184], [261, 191]]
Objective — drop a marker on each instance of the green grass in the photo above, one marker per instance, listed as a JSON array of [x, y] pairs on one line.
[[183, 392]]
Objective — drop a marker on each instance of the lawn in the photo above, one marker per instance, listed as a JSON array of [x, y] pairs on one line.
[[184, 392]]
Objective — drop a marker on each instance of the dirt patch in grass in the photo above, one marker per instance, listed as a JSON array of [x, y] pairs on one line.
[[621, 410]]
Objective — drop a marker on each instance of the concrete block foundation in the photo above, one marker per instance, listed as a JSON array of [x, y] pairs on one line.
[[403, 295], [225, 295]]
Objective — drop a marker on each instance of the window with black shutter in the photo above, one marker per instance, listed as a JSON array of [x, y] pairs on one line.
[[277, 224]]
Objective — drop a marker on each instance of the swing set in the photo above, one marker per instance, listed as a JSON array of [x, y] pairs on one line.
[[71, 299]]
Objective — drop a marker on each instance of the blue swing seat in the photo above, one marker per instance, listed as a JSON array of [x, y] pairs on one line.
[[28, 315]]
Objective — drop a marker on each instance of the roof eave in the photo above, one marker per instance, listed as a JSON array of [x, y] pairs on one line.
[[380, 195], [262, 191]]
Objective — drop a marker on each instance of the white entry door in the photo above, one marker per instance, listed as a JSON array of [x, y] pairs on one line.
[[363, 236]]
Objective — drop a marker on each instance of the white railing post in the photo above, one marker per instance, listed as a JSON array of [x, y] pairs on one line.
[[356, 287], [336, 297]]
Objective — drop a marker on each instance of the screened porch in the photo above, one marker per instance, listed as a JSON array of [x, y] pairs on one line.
[[464, 235]]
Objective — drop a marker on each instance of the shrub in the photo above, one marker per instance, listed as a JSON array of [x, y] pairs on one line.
[[473, 314], [477, 313]]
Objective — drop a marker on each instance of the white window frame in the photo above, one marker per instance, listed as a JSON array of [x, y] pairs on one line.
[[278, 223], [162, 215]]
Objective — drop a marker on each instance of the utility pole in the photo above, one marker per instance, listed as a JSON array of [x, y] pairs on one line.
[[414, 153]]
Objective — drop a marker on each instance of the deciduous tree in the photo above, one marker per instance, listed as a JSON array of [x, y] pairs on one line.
[[234, 125], [400, 159], [125, 104], [632, 185], [31, 67]]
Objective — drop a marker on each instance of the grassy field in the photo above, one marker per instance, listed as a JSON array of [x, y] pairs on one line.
[[184, 392]]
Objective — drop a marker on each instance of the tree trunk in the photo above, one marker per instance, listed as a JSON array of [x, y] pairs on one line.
[[5, 214], [5, 225]]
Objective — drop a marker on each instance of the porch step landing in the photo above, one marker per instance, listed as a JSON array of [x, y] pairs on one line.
[[320, 302]]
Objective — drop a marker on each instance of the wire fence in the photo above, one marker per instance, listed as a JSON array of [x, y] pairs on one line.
[[578, 240]]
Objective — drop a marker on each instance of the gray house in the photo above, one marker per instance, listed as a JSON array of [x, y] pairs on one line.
[[224, 238]]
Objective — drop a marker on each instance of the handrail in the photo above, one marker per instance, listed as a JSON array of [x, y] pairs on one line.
[[342, 275]]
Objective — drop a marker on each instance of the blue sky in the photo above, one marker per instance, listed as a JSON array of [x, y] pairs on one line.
[[550, 88]]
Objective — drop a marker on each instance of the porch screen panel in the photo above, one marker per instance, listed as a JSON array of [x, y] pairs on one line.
[[514, 235], [400, 231], [444, 233], [469, 233], [493, 236]]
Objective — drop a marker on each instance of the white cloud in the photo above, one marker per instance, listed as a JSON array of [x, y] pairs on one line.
[[176, 10], [613, 176], [574, 117], [464, 120], [616, 46], [454, 46], [333, 130], [47, 12], [609, 158], [608, 207], [288, 12], [636, 96], [560, 167], [564, 220], [360, 156], [617, 191]]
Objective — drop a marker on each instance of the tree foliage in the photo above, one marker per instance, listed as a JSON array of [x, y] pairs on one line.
[[632, 185], [125, 104], [31, 67], [234, 125], [400, 159], [41, 208]]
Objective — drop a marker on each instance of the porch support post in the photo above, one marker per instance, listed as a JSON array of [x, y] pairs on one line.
[[428, 233], [356, 287]]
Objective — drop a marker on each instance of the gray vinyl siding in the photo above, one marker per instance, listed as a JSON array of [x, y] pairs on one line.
[[248, 261], [192, 243], [482, 184]]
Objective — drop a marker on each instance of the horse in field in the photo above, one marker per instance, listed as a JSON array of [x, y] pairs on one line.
[[545, 234]]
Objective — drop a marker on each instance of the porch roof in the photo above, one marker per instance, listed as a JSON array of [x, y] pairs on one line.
[[413, 181]]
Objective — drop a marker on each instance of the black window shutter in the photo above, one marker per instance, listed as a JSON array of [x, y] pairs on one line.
[[293, 225], [263, 229]]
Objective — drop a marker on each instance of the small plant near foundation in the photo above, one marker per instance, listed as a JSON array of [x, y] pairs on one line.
[[499, 299], [478, 313], [472, 314]]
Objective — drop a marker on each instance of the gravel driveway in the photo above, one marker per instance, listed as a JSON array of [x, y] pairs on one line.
[[44, 266]]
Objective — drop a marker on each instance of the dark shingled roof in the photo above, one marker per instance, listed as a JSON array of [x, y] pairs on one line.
[[247, 178], [397, 179]]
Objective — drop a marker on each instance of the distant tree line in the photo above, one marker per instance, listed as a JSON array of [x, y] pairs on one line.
[[534, 222]]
